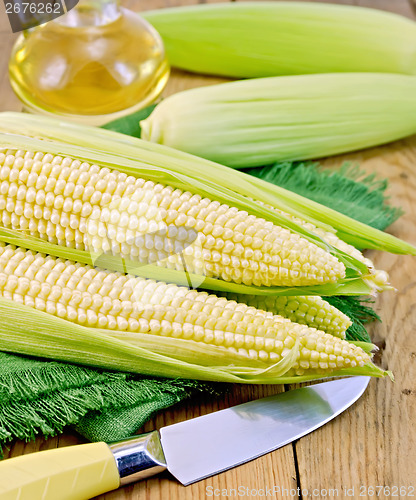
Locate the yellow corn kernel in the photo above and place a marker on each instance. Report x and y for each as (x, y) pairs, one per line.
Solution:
(306, 310)
(108, 300)
(86, 207)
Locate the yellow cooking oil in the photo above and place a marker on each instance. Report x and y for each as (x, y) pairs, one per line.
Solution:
(97, 62)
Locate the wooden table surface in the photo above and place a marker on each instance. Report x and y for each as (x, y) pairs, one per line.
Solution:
(371, 444)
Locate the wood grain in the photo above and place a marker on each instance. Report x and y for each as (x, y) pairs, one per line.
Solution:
(8, 101)
(371, 444)
(374, 442)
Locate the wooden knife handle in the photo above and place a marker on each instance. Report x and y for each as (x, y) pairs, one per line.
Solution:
(72, 473)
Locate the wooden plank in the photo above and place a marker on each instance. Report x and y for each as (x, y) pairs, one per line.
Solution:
(412, 4)
(254, 476)
(276, 468)
(8, 100)
(402, 7)
(182, 80)
(4, 23)
(143, 5)
(342, 2)
(374, 442)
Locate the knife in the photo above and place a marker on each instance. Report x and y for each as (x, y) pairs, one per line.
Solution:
(190, 450)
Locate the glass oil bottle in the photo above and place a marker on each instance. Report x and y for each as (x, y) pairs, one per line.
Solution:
(96, 63)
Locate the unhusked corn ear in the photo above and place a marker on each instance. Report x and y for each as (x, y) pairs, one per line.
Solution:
(113, 301)
(254, 39)
(84, 206)
(307, 310)
(265, 120)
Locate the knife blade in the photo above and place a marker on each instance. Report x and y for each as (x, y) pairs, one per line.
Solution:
(191, 450)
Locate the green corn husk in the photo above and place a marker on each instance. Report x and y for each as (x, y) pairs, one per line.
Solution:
(257, 122)
(257, 39)
(185, 171)
(25, 330)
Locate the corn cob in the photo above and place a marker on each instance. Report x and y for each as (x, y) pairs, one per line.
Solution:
(261, 121)
(312, 311)
(75, 204)
(378, 279)
(105, 300)
(231, 187)
(255, 39)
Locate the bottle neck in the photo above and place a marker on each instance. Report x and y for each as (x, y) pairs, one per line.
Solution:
(91, 13)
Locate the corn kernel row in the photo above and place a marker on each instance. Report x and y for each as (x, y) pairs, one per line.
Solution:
(83, 206)
(108, 300)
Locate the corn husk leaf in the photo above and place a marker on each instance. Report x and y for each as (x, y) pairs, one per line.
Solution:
(255, 39)
(123, 147)
(352, 286)
(24, 330)
(251, 123)
(351, 190)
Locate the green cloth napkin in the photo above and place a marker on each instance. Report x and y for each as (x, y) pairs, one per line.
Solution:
(43, 397)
